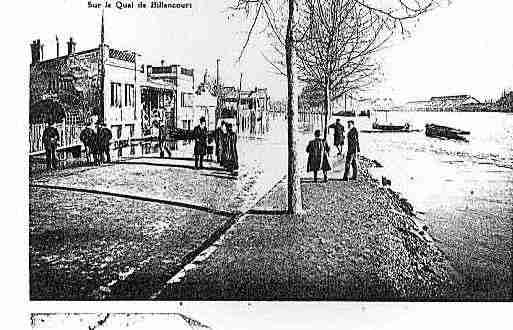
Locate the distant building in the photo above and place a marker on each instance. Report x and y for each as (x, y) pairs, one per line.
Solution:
(249, 107)
(183, 79)
(446, 104)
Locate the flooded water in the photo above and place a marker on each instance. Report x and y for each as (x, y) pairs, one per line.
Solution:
(464, 190)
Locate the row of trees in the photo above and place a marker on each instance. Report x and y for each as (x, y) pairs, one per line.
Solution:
(328, 46)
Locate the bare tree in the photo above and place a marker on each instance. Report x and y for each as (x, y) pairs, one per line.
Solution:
(284, 19)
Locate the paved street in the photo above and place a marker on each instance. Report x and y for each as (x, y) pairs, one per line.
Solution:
(120, 231)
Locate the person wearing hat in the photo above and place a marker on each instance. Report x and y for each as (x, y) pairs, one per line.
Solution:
(50, 142)
(353, 148)
(338, 135)
(104, 136)
(200, 143)
(89, 138)
(163, 140)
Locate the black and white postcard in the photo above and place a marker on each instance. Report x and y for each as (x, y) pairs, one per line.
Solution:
(298, 154)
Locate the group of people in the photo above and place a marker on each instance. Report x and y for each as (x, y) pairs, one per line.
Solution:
(97, 142)
(225, 140)
(318, 151)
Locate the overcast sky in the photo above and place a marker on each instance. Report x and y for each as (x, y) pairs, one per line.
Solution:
(465, 48)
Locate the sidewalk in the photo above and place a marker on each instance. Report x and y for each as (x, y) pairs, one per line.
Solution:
(353, 243)
(121, 230)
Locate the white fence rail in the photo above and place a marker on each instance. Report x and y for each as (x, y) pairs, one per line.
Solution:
(69, 135)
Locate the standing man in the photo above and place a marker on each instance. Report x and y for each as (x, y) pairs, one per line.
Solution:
(353, 148)
(89, 138)
(200, 143)
(338, 135)
(50, 142)
(163, 142)
(104, 137)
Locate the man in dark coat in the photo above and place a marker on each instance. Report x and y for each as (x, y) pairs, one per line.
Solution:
(50, 142)
(164, 140)
(104, 136)
(90, 140)
(231, 156)
(353, 148)
(318, 151)
(338, 135)
(200, 143)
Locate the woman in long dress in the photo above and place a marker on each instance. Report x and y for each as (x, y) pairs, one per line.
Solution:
(231, 157)
(318, 151)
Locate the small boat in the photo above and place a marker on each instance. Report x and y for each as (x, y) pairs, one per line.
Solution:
(391, 128)
(445, 132)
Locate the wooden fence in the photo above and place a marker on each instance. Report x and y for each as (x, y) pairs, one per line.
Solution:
(69, 135)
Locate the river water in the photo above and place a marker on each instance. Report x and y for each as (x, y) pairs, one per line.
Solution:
(462, 190)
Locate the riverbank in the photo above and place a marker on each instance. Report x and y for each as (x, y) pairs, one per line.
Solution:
(356, 241)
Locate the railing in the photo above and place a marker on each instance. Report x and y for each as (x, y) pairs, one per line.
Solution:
(69, 135)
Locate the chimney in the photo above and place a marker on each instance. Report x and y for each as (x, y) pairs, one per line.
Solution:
(162, 62)
(42, 52)
(71, 46)
(35, 48)
(57, 41)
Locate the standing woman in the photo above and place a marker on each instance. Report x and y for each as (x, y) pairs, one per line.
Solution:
(318, 150)
(219, 140)
(231, 163)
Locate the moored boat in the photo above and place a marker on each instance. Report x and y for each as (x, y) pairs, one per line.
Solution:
(391, 128)
(445, 132)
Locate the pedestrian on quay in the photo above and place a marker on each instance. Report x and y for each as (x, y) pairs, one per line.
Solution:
(353, 148)
(338, 135)
(219, 136)
(231, 156)
(318, 151)
(104, 136)
(163, 138)
(50, 142)
(200, 143)
(89, 138)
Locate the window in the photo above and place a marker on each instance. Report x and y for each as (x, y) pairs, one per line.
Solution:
(117, 129)
(115, 95)
(186, 99)
(131, 129)
(129, 95)
(184, 124)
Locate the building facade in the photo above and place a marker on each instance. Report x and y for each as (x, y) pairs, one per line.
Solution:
(249, 108)
(104, 83)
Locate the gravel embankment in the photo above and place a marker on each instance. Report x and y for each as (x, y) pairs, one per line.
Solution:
(355, 242)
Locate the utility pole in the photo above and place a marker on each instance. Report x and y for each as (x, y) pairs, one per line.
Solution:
(102, 70)
(238, 102)
(218, 110)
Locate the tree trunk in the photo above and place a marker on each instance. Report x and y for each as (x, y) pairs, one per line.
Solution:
(327, 97)
(295, 204)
